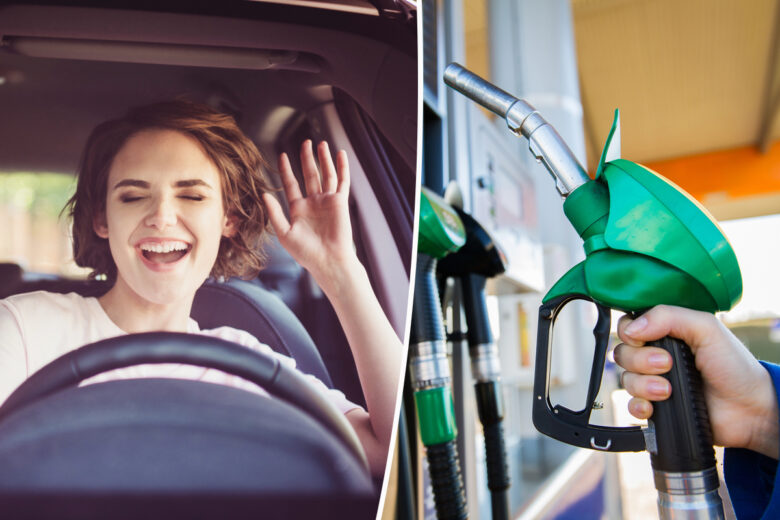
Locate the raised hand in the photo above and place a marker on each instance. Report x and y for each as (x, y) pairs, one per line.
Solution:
(318, 234)
(739, 392)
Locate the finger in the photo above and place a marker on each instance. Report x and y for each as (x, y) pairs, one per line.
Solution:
(342, 167)
(311, 175)
(643, 360)
(689, 325)
(640, 408)
(290, 183)
(624, 322)
(652, 388)
(276, 215)
(329, 180)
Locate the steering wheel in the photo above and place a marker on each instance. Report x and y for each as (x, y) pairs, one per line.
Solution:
(192, 349)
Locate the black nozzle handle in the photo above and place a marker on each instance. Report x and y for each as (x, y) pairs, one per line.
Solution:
(497, 470)
(495, 451)
(681, 423)
(491, 415)
(426, 321)
(448, 493)
(569, 426)
(475, 308)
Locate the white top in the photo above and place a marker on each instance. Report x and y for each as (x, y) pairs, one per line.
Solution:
(37, 328)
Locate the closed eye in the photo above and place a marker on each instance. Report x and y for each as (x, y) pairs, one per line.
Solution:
(130, 198)
(192, 197)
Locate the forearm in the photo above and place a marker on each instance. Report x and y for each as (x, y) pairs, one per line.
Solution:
(318, 235)
(751, 472)
(376, 349)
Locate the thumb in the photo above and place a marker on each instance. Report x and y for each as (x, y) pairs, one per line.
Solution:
(692, 327)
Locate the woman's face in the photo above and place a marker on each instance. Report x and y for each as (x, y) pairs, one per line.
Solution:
(164, 216)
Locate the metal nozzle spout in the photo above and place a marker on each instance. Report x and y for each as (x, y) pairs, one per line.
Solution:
(476, 88)
(514, 110)
(547, 146)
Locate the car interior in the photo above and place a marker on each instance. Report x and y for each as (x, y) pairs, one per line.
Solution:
(341, 71)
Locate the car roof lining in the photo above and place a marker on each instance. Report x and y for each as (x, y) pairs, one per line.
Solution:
(349, 6)
(57, 101)
(163, 53)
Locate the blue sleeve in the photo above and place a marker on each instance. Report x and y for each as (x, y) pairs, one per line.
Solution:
(752, 478)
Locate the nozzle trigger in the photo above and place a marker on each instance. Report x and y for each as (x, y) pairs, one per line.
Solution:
(573, 427)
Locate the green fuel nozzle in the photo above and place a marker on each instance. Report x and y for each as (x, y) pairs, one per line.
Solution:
(646, 243)
(440, 232)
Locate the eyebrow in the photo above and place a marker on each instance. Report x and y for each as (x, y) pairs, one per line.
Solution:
(131, 182)
(187, 183)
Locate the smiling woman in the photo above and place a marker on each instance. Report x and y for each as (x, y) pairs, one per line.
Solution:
(164, 205)
(173, 193)
(134, 152)
(164, 220)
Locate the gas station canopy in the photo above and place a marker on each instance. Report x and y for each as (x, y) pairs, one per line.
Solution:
(698, 87)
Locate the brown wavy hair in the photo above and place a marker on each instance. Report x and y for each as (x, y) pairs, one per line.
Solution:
(242, 172)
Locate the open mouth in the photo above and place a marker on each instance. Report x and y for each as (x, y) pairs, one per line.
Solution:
(164, 252)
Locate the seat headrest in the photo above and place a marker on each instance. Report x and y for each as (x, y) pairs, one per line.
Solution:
(247, 306)
(10, 278)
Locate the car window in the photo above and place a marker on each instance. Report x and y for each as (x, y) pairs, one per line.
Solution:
(392, 179)
(36, 232)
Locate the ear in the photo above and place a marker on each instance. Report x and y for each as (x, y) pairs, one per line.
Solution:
(99, 225)
(230, 227)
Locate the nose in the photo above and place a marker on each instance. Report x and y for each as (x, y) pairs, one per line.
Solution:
(162, 214)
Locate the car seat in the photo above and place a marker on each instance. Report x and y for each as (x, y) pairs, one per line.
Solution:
(10, 278)
(246, 306)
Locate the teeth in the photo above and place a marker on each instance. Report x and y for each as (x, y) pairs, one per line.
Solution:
(163, 247)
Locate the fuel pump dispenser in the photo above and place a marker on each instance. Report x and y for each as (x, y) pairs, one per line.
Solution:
(646, 243)
(479, 259)
(440, 232)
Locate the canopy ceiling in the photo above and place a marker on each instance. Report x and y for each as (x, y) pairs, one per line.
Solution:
(698, 86)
